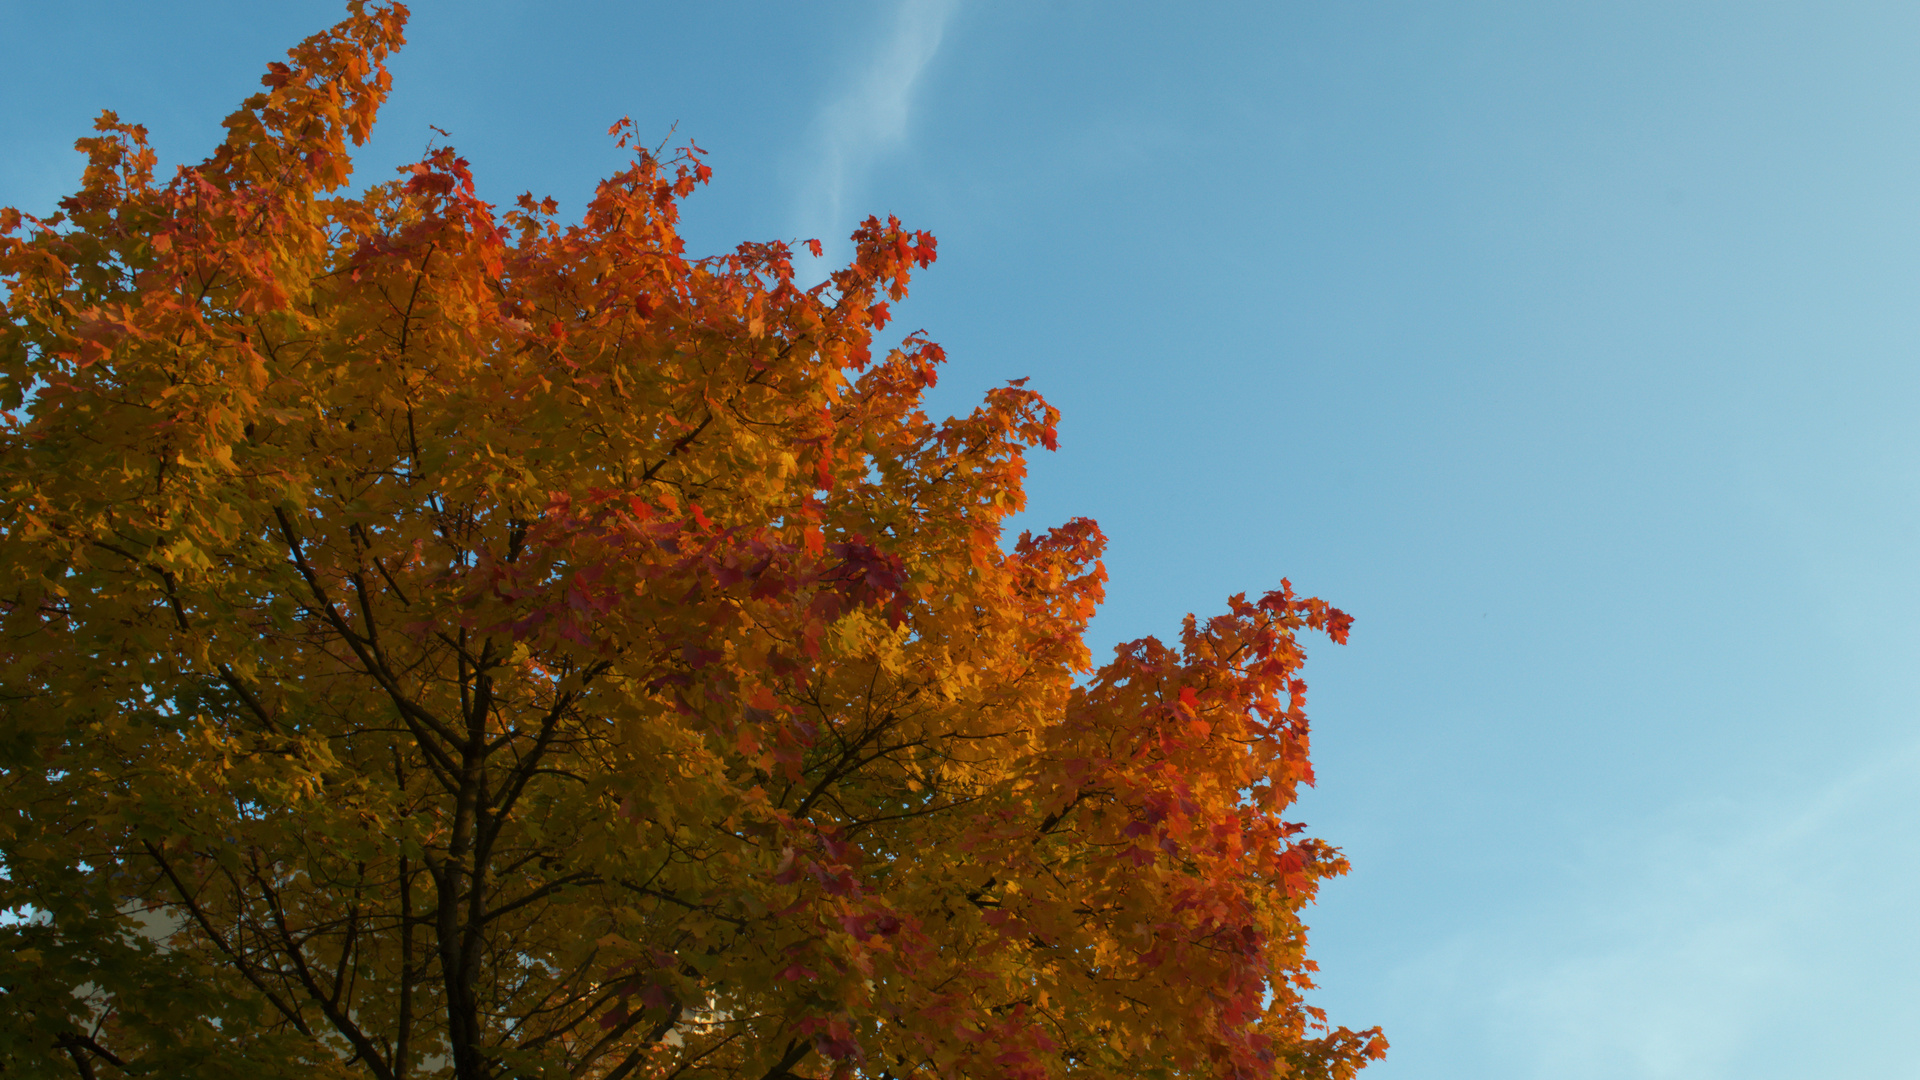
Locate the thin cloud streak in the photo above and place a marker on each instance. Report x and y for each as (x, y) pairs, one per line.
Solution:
(872, 116)
(1725, 946)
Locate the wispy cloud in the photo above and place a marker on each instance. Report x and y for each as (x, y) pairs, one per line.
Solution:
(1735, 941)
(869, 116)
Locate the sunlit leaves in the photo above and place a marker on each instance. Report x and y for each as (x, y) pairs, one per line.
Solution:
(438, 639)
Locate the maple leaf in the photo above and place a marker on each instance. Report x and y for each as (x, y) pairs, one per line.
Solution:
(435, 640)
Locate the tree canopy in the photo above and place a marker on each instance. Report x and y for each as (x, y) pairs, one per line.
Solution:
(443, 641)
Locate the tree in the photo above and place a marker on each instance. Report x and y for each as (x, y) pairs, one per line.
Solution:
(438, 641)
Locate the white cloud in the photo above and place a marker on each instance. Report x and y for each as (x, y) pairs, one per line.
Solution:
(870, 116)
(1753, 941)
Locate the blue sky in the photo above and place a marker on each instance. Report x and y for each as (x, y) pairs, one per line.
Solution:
(1569, 346)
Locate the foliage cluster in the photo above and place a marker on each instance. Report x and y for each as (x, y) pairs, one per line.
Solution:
(441, 641)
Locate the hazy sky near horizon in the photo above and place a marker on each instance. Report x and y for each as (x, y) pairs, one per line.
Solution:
(1570, 347)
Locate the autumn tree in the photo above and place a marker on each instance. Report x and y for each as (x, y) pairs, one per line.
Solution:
(439, 641)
